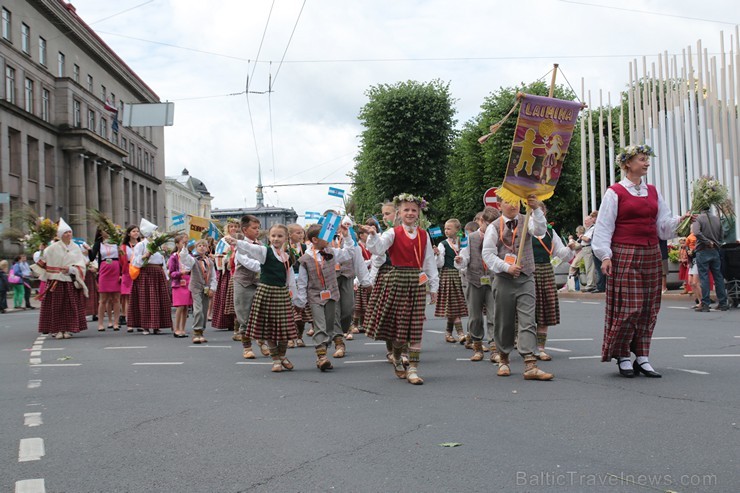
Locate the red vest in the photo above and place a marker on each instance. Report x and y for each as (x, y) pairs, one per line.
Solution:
(406, 252)
(636, 217)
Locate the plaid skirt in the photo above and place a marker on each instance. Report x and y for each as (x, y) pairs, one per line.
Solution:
(375, 294)
(62, 308)
(362, 300)
(302, 314)
(150, 306)
(91, 302)
(271, 316)
(450, 299)
(222, 319)
(547, 309)
(633, 296)
(398, 312)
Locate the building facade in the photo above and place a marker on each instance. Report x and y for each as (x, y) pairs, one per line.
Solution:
(266, 214)
(60, 151)
(186, 195)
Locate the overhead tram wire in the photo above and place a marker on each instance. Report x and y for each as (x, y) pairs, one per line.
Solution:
(571, 87)
(662, 14)
(289, 40)
(259, 50)
(269, 108)
(122, 12)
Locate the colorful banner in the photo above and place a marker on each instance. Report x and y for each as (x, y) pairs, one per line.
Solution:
(198, 225)
(543, 132)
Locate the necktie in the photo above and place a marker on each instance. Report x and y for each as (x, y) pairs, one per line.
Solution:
(512, 224)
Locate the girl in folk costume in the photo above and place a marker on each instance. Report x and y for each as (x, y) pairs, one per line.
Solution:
(399, 314)
(297, 248)
(202, 285)
(271, 316)
(317, 289)
(130, 239)
(632, 217)
(224, 316)
(182, 299)
(362, 294)
(62, 305)
(150, 307)
(91, 281)
(450, 300)
(548, 250)
(106, 254)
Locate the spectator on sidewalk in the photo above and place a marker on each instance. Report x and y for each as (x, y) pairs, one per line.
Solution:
(588, 255)
(4, 285)
(708, 231)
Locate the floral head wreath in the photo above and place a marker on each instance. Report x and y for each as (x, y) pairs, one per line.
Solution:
(631, 151)
(408, 197)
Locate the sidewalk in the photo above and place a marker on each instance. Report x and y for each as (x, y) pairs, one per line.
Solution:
(34, 303)
(671, 294)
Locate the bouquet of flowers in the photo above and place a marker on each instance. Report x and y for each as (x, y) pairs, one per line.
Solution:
(114, 231)
(157, 243)
(40, 230)
(707, 192)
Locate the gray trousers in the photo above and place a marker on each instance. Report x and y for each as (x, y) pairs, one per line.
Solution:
(514, 299)
(243, 304)
(323, 322)
(346, 305)
(477, 298)
(200, 310)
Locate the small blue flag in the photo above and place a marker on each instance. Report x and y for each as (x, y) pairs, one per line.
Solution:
(322, 219)
(178, 220)
(353, 235)
(312, 215)
(191, 244)
(221, 247)
(79, 241)
(377, 223)
(435, 231)
(336, 192)
(330, 226)
(213, 231)
(464, 241)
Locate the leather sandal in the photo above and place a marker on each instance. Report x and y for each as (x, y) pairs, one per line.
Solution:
(248, 354)
(399, 369)
(503, 370)
(449, 338)
(286, 363)
(277, 367)
(543, 356)
(413, 378)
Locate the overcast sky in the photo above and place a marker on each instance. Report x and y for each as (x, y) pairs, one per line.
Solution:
(307, 129)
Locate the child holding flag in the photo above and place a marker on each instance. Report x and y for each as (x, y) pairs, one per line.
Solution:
(450, 300)
(202, 285)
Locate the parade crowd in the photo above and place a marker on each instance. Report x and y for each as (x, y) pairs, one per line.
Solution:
(269, 286)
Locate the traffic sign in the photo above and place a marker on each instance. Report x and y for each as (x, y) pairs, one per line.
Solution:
(489, 198)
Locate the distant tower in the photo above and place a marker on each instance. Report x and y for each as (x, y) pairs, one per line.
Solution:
(260, 196)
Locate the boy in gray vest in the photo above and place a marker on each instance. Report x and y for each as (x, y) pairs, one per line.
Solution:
(513, 284)
(246, 278)
(202, 285)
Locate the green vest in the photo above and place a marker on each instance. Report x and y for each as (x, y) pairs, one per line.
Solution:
(540, 253)
(273, 271)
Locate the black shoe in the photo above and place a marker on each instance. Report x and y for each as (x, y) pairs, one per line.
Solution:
(724, 308)
(29, 307)
(121, 320)
(701, 307)
(648, 373)
(625, 373)
(94, 318)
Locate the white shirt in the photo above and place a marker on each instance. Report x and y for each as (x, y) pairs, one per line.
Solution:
(604, 229)
(300, 296)
(245, 260)
(537, 226)
(140, 250)
(379, 244)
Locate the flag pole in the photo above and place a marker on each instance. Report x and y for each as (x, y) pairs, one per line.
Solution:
(525, 228)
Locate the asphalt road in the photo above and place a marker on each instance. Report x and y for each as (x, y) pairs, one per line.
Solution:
(206, 422)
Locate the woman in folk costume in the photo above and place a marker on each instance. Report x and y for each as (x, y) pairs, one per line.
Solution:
(150, 307)
(126, 254)
(271, 316)
(297, 248)
(546, 249)
(224, 316)
(400, 311)
(182, 298)
(105, 253)
(91, 281)
(62, 304)
(632, 217)
(451, 300)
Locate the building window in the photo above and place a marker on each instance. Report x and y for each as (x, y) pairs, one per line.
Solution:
(132, 154)
(6, 24)
(10, 84)
(146, 162)
(89, 82)
(102, 92)
(45, 103)
(32, 155)
(76, 73)
(60, 60)
(124, 146)
(14, 151)
(91, 120)
(77, 114)
(28, 92)
(104, 128)
(112, 99)
(139, 161)
(42, 51)
(25, 38)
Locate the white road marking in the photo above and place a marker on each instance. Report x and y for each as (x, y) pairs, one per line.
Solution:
(35, 353)
(669, 338)
(558, 350)
(434, 331)
(375, 344)
(459, 359)
(584, 357)
(571, 340)
(207, 345)
(30, 486)
(590, 302)
(33, 404)
(568, 301)
(32, 419)
(58, 364)
(254, 362)
(695, 372)
(711, 355)
(34, 384)
(45, 349)
(125, 347)
(35, 361)
(31, 449)
(737, 337)
(162, 363)
(679, 307)
(366, 361)
(36, 347)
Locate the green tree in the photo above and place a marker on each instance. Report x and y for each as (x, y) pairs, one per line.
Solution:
(406, 145)
(476, 167)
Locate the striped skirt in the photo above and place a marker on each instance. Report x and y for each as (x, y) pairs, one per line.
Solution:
(633, 295)
(222, 320)
(271, 316)
(91, 302)
(547, 308)
(362, 301)
(62, 308)
(150, 306)
(109, 277)
(229, 308)
(398, 311)
(304, 315)
(450, 299)
(375, 294)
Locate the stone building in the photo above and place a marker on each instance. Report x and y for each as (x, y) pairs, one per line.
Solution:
(60, 150)
(186, 195)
